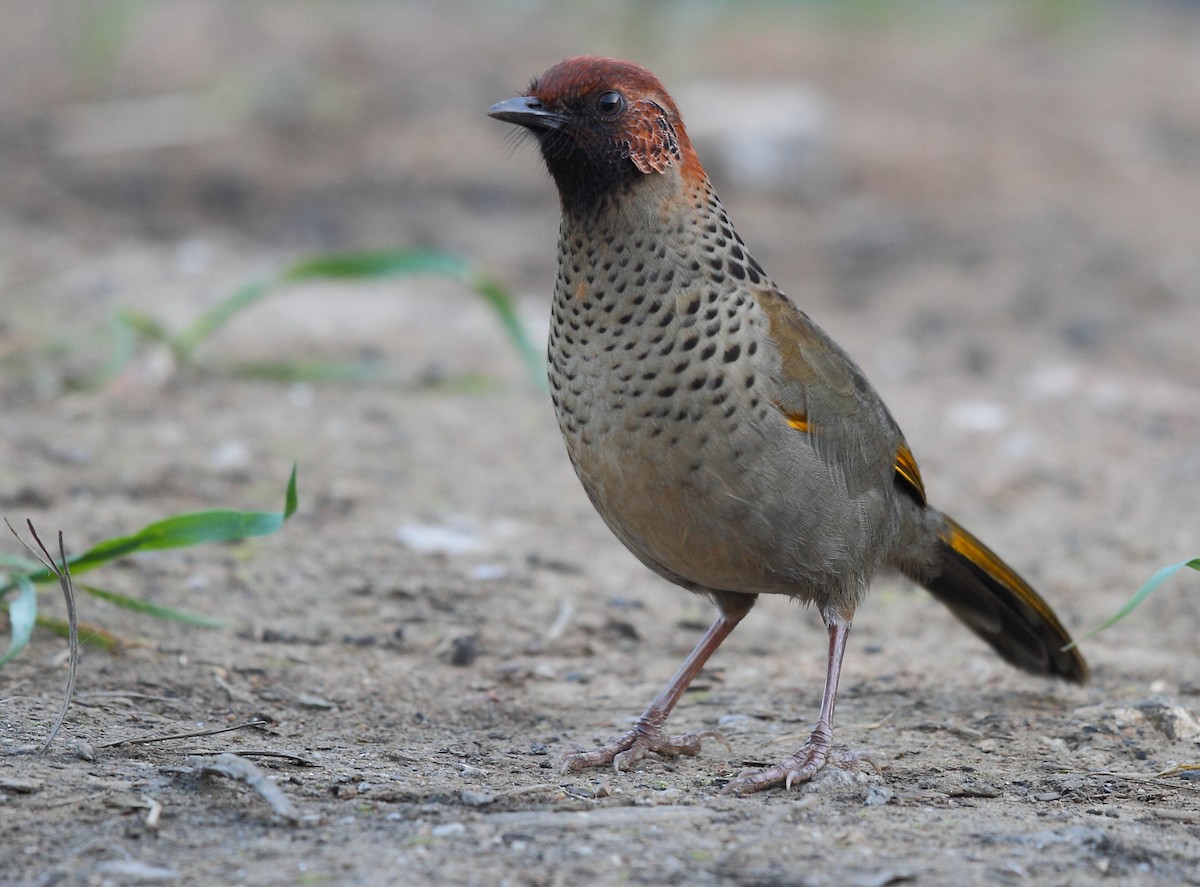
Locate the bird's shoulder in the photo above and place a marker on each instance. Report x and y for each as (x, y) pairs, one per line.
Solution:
(823, 392)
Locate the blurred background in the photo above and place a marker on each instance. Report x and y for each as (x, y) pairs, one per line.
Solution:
(1038, 159)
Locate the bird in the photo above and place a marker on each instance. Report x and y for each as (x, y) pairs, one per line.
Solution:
(729, 443)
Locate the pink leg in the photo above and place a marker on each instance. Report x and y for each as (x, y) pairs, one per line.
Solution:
(805, 764)
(647, 736)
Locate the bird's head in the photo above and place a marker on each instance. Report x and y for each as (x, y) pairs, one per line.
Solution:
(603, 126)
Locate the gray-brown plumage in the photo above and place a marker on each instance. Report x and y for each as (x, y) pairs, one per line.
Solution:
(728, 442)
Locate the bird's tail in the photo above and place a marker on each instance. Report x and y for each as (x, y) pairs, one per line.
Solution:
(999, 606)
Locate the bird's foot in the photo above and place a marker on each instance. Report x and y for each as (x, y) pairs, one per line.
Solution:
(800, 767)
(642, 740)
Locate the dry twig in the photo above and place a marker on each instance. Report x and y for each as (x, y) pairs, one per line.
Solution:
(144, 740)
(63, 573)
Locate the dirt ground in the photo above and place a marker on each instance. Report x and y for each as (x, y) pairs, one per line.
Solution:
(997, 216)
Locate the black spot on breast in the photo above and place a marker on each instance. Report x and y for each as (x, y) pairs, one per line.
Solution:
(697, 383)
(689, 343)
(732, 353)
(752, 348)
(708, 350)
(737, 270)
(666, 391)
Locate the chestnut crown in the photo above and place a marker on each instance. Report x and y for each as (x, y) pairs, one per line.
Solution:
(602, 124)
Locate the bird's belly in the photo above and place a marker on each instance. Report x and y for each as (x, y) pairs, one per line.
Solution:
(739, 506)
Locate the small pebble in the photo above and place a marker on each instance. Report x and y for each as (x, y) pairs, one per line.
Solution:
(878, 795)
(448, 830)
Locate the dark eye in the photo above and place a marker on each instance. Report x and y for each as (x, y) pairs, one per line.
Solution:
(610, 103)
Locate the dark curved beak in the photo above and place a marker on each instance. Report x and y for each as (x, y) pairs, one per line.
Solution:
(525, 110)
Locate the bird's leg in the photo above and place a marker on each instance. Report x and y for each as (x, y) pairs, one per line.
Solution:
(804, 764)
(647, 735)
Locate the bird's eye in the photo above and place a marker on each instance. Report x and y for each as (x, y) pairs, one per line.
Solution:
(610, 103)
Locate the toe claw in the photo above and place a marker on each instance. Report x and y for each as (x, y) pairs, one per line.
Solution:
(636, 744)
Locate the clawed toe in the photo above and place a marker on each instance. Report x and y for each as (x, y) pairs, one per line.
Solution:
(642, 740)
(800, 767)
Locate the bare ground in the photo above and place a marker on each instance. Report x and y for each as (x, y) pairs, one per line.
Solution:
(1001, 226)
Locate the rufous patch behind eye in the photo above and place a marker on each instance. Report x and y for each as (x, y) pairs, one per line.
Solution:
(653, 145)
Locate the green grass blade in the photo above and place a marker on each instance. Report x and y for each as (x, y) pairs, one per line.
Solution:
(22, 615)
(1140, 595)
(216, 317)
(501, 302)
(134, 324)
(320, 371)
(381, 263)
(398, 262)
(89, 635)
(290, 500)
(15, 562)
(362, 266)
(157, 610)
(194, 528)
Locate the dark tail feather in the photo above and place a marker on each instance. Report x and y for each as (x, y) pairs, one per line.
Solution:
(999, 606)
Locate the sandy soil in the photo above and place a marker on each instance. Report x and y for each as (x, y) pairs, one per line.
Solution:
(999, 221)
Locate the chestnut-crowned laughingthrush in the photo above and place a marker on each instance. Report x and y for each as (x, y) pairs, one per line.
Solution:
(725, 439)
